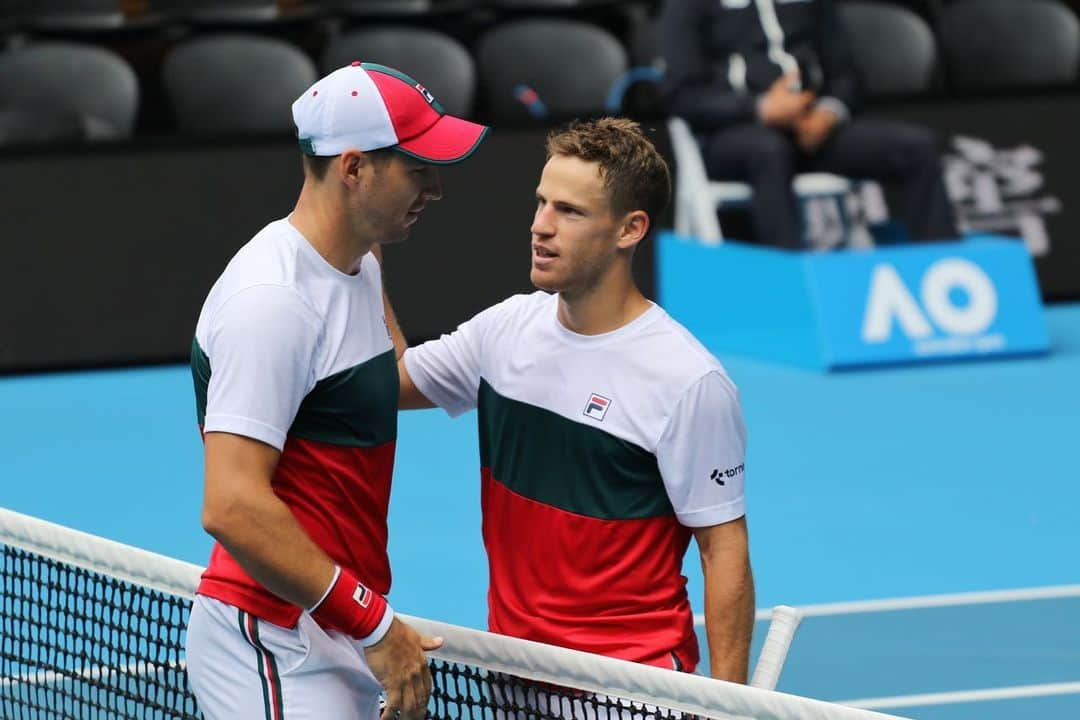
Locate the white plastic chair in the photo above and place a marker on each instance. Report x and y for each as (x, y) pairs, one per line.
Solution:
(824, 196)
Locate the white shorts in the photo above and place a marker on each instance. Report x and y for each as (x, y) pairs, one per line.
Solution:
(244, 668)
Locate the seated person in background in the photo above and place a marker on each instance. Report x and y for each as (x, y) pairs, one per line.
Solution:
(769, 88)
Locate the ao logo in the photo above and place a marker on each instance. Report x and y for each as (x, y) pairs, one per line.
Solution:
(890, 298)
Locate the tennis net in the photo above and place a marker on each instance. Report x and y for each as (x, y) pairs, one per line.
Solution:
(93, 630)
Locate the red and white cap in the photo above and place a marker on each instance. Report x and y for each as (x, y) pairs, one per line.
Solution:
(364, 106)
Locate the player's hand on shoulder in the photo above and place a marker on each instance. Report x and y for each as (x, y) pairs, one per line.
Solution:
(399, 662)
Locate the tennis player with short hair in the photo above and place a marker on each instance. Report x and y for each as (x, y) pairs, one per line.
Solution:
(296, 391)
(608, 435)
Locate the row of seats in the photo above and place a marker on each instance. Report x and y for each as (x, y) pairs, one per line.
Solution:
(221, 83)
(104, 14)
(957, 47)
(243, 83)
(976, 46)
(109, 12)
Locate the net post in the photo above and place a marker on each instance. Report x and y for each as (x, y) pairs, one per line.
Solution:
(785, 621)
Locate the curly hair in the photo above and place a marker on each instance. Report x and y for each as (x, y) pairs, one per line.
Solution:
(635, 176)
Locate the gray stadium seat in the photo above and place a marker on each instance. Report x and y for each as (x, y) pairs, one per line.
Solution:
(438, 61)
(401, 8)
(58, 80)
(218, 11)
(570, 65)
(233, 83)
(893, 48)
(1007, 44)
(549, 4)
(384, 8)
(64, 15)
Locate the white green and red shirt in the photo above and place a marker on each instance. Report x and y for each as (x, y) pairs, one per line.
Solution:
(294, 353)
(598, 455)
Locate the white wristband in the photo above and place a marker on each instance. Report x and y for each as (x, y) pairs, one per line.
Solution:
(381, 629)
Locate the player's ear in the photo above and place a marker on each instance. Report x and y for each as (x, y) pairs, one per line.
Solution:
(352, 165)
(633, 229)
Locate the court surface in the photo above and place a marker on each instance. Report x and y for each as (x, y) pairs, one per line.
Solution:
(862, 486)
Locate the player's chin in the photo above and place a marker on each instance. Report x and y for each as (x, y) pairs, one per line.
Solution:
(545, 280)
(396, 236)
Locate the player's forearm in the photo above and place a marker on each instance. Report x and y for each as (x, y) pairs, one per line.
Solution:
(258, 530)
(264, 537)
(729, 605)
(729, 614)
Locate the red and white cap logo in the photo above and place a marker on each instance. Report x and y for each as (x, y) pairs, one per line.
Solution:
(364, 106)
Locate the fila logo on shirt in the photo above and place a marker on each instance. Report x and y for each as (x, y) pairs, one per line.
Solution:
(597, 407)
(362, 595)
(424, 91)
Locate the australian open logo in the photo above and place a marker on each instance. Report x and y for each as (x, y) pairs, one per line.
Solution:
(954, 312)
(424, 91)
(597, 407)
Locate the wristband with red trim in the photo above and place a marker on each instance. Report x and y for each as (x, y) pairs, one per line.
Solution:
(353, 608)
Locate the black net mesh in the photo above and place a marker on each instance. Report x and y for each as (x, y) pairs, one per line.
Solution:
(467, 693)
(80, 644)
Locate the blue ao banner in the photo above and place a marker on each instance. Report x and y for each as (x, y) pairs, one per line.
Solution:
(977, 297)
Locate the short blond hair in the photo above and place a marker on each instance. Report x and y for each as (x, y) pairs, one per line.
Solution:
(635, 176)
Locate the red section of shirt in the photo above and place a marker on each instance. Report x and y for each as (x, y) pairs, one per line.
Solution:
(611, 587)
(340, 496)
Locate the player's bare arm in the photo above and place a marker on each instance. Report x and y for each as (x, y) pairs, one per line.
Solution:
(729, 598)
(241, 511)
(409, 396)
(392, 326)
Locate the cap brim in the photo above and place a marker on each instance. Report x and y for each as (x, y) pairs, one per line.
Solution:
(449, 140)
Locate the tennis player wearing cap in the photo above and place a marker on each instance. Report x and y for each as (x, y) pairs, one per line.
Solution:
(609, 436)
(296, 391)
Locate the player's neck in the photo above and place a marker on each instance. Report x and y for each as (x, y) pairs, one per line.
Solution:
(325, 226)
(605, 307)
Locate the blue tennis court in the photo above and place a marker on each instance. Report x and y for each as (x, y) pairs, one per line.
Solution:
(887, 484)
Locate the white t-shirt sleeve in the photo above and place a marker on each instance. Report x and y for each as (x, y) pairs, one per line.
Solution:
(262, 344)
(447, 371)
(702, 453)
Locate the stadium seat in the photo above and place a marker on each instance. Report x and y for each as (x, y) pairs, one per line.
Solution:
(547, 68)
(218, 11)
(545, 4)
(438, 61)
(994, 45)
(232, 83)
(893, 49)
(554, 5)
(928, 10)
(397, 8)
(70, 15)
(58, 82)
